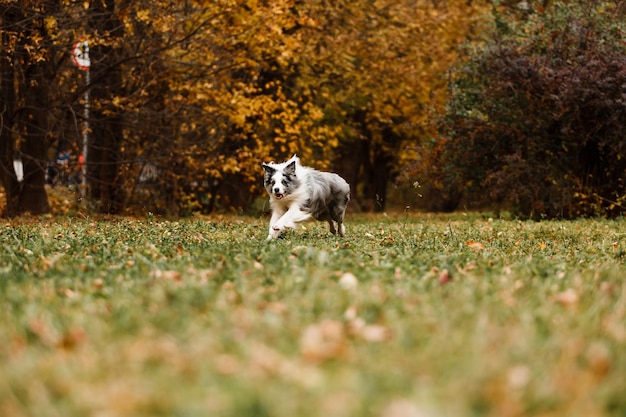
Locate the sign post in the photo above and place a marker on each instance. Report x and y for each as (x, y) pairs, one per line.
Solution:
(80, 56)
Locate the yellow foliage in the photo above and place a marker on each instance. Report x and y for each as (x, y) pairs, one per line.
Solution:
(212, 88)
(143, 15)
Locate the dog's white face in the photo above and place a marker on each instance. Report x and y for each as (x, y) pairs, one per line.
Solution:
(280, 180)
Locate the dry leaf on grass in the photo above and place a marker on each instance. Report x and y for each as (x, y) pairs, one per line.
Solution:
(44, 332)
(72, 338)
(267, 361)
(369, 332)
(166, 274)
(375, 333)
(323, 341)
(518, 376)
(348, 281)
(598, 358)
(567, 298)
(444, 277)
(477, 246)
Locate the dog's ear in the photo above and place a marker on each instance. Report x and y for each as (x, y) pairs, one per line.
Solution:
(268, 169)
(290, 169)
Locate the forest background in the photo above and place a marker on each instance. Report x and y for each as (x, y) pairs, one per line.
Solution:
(514, 105)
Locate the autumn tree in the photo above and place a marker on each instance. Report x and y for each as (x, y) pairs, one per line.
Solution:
(38, 100)
(202, 91)
(224, 86)
(106, 37)
(221, 101)
(376, 69)
(25, 71)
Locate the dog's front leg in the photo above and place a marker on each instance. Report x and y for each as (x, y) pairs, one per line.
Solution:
(290, 218)
(276, 215)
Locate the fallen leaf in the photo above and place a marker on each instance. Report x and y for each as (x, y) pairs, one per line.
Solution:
(69, 293)
(518, 376)
(276, 307)
(598, 357)
(375, 333)
(397, 273)
(444, 277)
(348, 281)
(477, 246)
(567, 298)
(299, 250)
(166, 274)
(351, 313)
(73, 338)
(49, 262)
(44, 332)
(323, 341)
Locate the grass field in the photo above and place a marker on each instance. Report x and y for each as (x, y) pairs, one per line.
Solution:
(407, 316)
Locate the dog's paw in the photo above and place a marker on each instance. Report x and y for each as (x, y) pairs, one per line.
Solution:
(274, 232)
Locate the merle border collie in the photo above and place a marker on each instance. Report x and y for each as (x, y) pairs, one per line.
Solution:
(298, 193)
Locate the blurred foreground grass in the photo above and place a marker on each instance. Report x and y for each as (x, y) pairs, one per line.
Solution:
(407, 316)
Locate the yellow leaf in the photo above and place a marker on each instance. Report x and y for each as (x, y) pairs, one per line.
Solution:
(143, 15)
(51, 23)
(477, 246)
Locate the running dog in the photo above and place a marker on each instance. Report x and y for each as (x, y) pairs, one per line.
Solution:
(298, 193)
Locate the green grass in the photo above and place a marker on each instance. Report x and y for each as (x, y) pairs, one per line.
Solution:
(449, 316)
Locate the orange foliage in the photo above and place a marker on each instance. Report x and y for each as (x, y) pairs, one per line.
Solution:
(209, 89)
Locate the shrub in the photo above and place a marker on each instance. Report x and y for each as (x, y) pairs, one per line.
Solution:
(536, 122)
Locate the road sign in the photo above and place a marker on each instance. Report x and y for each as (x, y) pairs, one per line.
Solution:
(80, 55)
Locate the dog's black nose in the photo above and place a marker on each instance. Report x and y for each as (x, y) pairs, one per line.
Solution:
(276, 189)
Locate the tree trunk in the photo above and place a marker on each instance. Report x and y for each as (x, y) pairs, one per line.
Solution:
(105, 121)
(379, 168)
(368, 164)
(7, 109)
(379, 177)
(33, 198)
(31, 85)
(349, 164)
